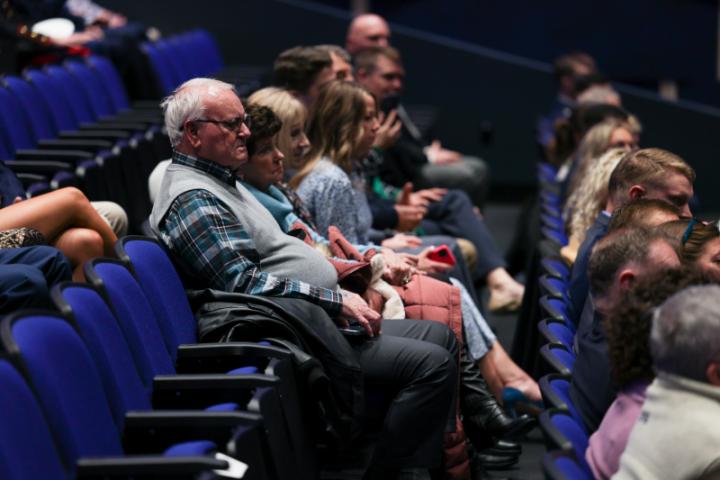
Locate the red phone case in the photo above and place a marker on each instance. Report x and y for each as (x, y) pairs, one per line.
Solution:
(442, 254)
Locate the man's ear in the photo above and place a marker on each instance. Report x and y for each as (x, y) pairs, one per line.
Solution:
(191, 132)
(713, 373)
(636, 191)
(626, 279)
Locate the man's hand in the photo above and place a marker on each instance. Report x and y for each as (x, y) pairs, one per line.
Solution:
(441, 156)
(431, 266)
(423, 198)
(354, 308)
(397, 270)
(389, 130)
(409, 217)
(401, 240)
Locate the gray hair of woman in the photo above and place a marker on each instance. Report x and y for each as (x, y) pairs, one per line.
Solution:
(186, 103)
(685, 336)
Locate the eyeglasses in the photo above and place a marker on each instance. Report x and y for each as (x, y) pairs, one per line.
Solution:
(233, 124)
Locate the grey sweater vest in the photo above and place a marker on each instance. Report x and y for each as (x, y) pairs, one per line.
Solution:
(280, 254)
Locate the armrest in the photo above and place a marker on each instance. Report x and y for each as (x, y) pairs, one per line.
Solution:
(155, 431)
(221, 357)
(72, 156)
(42, 167)
(117, 125)
(146, 465)
(101, 132)
(77, 143)
(201, 391)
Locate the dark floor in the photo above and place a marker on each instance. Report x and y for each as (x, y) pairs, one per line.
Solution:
(501, 219)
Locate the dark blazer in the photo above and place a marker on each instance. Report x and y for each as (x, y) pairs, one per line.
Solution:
(579, 283)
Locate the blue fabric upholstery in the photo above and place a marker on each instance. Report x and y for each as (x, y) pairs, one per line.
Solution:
(68, 386)
(26, 446)
(164, 290)
(105, 340)
(187, 449)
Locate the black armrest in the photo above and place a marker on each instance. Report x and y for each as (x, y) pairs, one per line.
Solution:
(100, 132)
(221, 357)
(42, 167)
(155, 431)
(148, 466)
(201, 391)
(77, 143)
(72, 156)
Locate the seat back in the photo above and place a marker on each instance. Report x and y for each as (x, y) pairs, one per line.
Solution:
(36, 109)
(163, 288)
(99, 100)
(74, 92)
(555, 392)
(559, 465)
(68, 386)
(135, 315)
(557, 332)
(17, 125)
(27, 449)
(62, 112)
(559, 358)
(82, 304)
(564, 432)
(111, 80)
(162, 69)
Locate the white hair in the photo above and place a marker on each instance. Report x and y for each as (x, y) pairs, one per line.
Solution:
(685, 334)
(187, 103)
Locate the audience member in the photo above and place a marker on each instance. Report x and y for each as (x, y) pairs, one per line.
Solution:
(678, 430)
(236, 246)
(303, 71)
(367, 30)
(617, 262)
(341, 62)
(627, 327)
(411, 158)
(567, 68)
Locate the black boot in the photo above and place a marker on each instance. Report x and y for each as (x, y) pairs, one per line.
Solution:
(483, 418)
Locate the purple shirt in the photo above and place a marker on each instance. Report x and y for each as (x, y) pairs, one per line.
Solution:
(608, 442)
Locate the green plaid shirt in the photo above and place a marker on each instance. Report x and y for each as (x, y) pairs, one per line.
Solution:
(214, 248)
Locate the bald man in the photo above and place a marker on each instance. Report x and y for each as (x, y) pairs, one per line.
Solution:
(367, 30)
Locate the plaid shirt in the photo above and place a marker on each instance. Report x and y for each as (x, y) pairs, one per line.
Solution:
(215, 248)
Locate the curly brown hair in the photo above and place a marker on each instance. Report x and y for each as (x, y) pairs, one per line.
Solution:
(627, 326)
(264, 124)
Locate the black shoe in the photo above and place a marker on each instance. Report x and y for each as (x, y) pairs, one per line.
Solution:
(497, 461)
(504, 426)
(504, 446)
(478, 471)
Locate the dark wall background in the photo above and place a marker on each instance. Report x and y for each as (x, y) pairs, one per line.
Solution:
(472, 86)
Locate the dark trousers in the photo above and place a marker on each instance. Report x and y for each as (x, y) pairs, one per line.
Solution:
(26, 275)
(414, 361)
(453, 215)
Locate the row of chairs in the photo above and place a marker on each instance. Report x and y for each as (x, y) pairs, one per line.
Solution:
(178, 58)
(73, 125)
(101, 389)
(566, 437)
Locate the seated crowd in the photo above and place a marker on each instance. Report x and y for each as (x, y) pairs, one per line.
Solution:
(321, 195)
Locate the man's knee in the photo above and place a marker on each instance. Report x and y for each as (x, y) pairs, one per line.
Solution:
(441, 335)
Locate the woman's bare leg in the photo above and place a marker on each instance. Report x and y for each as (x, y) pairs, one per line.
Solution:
(491, 376)
(505, 292)
(55, 212)
(79, 245)
(511, 374)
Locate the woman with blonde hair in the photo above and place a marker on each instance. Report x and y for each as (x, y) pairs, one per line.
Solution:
(588, 199)
(599, 139)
